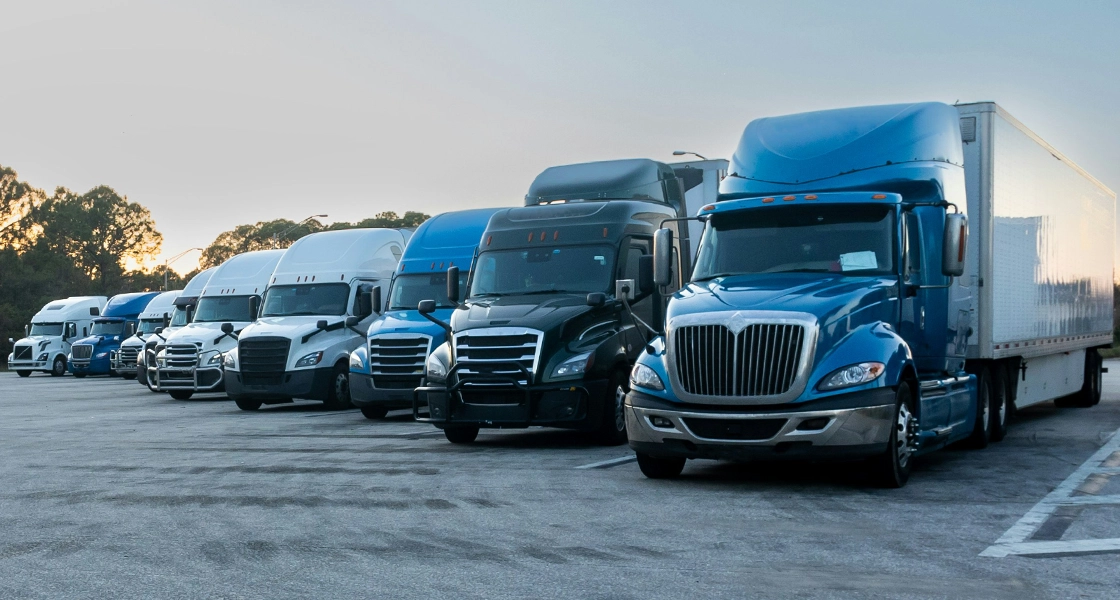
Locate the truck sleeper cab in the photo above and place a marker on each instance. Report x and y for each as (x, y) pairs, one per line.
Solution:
(155, 316)
(190, 360)
(545, 336)
(181, 314)
(118, 321)
(46, 342)
(837, 318)
(390, 365)
(323, 295)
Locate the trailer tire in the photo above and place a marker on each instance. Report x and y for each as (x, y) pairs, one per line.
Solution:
(374, 412)
(1091, 390)
(612, 426)
(58, 368)
(655, 467)
(181, 394)
(891, 469)
(460, 434)
(338, 395)
(982, 429)
(23, 373)
(1001, 403)
(248, 404)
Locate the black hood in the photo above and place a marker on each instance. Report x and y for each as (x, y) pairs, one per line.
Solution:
(540, 312)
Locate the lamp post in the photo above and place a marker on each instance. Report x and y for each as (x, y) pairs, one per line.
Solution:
(683, 152)
(276, 236)
(167, 263)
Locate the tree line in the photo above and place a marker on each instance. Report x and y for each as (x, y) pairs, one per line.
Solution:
(69, 244)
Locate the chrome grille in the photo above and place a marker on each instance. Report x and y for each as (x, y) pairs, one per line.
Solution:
(482, 351)
(181, 356)
(762, 359)
(127, 354)
(81, 351)
(22, 353)
(396, 361)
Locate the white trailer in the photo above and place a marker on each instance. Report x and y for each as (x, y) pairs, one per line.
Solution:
(47, 340)
(1040, 258)
(300, 346)
(700, 180)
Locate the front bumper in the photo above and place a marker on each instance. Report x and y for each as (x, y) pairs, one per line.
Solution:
(96, 366)
(847, 426)
(40, 365)
(311, 384)
(195, 379)
(364, 392)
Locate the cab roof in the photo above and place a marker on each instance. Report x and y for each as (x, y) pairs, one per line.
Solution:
(243, 275)
(125, 306)
(626, 179)
(573, 223)
(446, 240)
(161, 305)
(341, 256)
(72, 308)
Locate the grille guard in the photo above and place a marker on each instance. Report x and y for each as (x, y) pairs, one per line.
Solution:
(452, 392)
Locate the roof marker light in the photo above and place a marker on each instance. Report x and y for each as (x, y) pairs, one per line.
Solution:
(709, 207)
(767, 200)
(879, 197)
(489, 239)
(555, 235)
(542, 236)
(433, 266)
(788, 198)
(530, 236)
(604, 232)
(811, 197)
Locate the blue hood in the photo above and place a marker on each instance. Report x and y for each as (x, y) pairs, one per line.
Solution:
(410, 321)
(99, 341)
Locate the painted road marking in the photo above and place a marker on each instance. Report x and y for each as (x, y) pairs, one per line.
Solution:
(1086, 481)
(606, 464)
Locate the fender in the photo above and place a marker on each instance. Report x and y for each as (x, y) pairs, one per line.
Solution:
(876, 342)
(359, 360)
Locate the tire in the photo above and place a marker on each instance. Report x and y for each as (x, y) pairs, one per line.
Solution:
(142, 376)
(375, 412)
(612, 428)
(982, 429)
(338, 395)
(655, 467)
(891, 469)
(181, 394)
(79, 375)
(460, 434)
(244, 403)
(128, 376)
(58, 368)
(1000, 405)
(23, 373)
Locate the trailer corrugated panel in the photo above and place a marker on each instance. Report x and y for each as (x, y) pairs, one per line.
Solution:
(1042, 239)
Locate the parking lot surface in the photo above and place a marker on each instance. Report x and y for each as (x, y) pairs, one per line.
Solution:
(109, 490)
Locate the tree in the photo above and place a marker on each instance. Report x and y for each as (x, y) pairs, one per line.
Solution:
(17, 199)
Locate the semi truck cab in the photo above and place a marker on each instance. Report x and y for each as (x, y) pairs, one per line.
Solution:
(46, 342)
(390, 365)
(90, 355)
(156, 315)
(323, 295)
(182, 313)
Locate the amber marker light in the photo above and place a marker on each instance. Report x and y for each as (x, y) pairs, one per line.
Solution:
(789, 198)
(811, 197)
(709, 207)
(767, 200)
(879, 197)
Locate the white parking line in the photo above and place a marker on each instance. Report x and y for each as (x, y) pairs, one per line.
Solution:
(603, 464)
(1015, 540)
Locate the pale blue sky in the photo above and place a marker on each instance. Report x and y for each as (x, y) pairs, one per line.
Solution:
(214, 114)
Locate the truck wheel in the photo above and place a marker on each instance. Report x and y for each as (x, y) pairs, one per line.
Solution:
(23, 373)
(1001, 403)
(1090, 394)
(460, 435)
(141, 375)
(128, 376)
(79, 375)
(612, 429)
(338, 396)
(244, 403)
(660, 468)
(982, 430)
(375, 412)
(891, 469)
(181, 394)
(58, 368)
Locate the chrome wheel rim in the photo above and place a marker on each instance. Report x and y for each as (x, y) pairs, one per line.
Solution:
(342, 388)
(902, 440)
(59, 367)
(619, 414)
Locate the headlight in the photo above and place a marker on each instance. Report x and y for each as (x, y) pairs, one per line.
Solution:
(140, 357)
(11, 357)
(229, 360)
(42, 357)
(215, 360)
(435, 368)
(161, 358)
(356, 362)
(576, 365)
(852, 375)
(643, 376)
(310, 360)
(101, 355)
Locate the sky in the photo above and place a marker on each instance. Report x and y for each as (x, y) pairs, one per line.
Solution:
(215, 114)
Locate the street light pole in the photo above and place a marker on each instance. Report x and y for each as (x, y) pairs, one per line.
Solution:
(683, 152)
(276, 236)
(167, 264)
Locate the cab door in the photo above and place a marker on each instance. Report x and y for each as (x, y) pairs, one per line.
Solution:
(936, 410)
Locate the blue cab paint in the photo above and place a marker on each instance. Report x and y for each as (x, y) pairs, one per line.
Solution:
(118, 321)
(400, 337)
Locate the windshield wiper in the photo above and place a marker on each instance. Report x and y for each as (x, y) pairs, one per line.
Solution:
(711, 277)
(535, 292)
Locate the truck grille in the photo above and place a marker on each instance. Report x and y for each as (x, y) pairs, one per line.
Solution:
(181, 356)
(81, 351)
(734, 429)
(397, 361)
(263, 360)
(127, 355)
(483, 351)
(761, 360)
(22, 353)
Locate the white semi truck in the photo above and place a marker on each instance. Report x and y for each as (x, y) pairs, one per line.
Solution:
(47, 340)
(190, 360)
(323, 295)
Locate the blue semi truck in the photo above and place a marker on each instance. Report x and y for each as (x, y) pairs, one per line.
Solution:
(118, 321)
(400, 339)
(839, 306)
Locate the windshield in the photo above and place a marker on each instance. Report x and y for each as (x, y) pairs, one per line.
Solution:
(308, 299)
(149, 326)
(107, 328)
(581, 269)
(46, 329)
(803, 239)
(409, 290)
(178, 317)
(221, 309)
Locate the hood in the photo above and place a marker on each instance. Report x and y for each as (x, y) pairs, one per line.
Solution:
(409, 321)
(827, 297)
(533, 311)
(99, 340)
(202, 333)
(136, 341)
(294, 328)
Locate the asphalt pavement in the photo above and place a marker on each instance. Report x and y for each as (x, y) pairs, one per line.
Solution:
(110, 491)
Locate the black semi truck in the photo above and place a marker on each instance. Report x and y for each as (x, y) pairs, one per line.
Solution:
(558, 304)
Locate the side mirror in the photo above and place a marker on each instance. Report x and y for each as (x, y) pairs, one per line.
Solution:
(646, 284)
(321, 324)
(159, 330)
(375, 300)
(663, 257)
(131, 329)
(427, 307)
(453, 284)
(227, 327)
(26, 331)
(352, 321)
(596, 299)
(362, 301)
(166, 320)
(953, 244)
(11, 341)
(254, 306)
